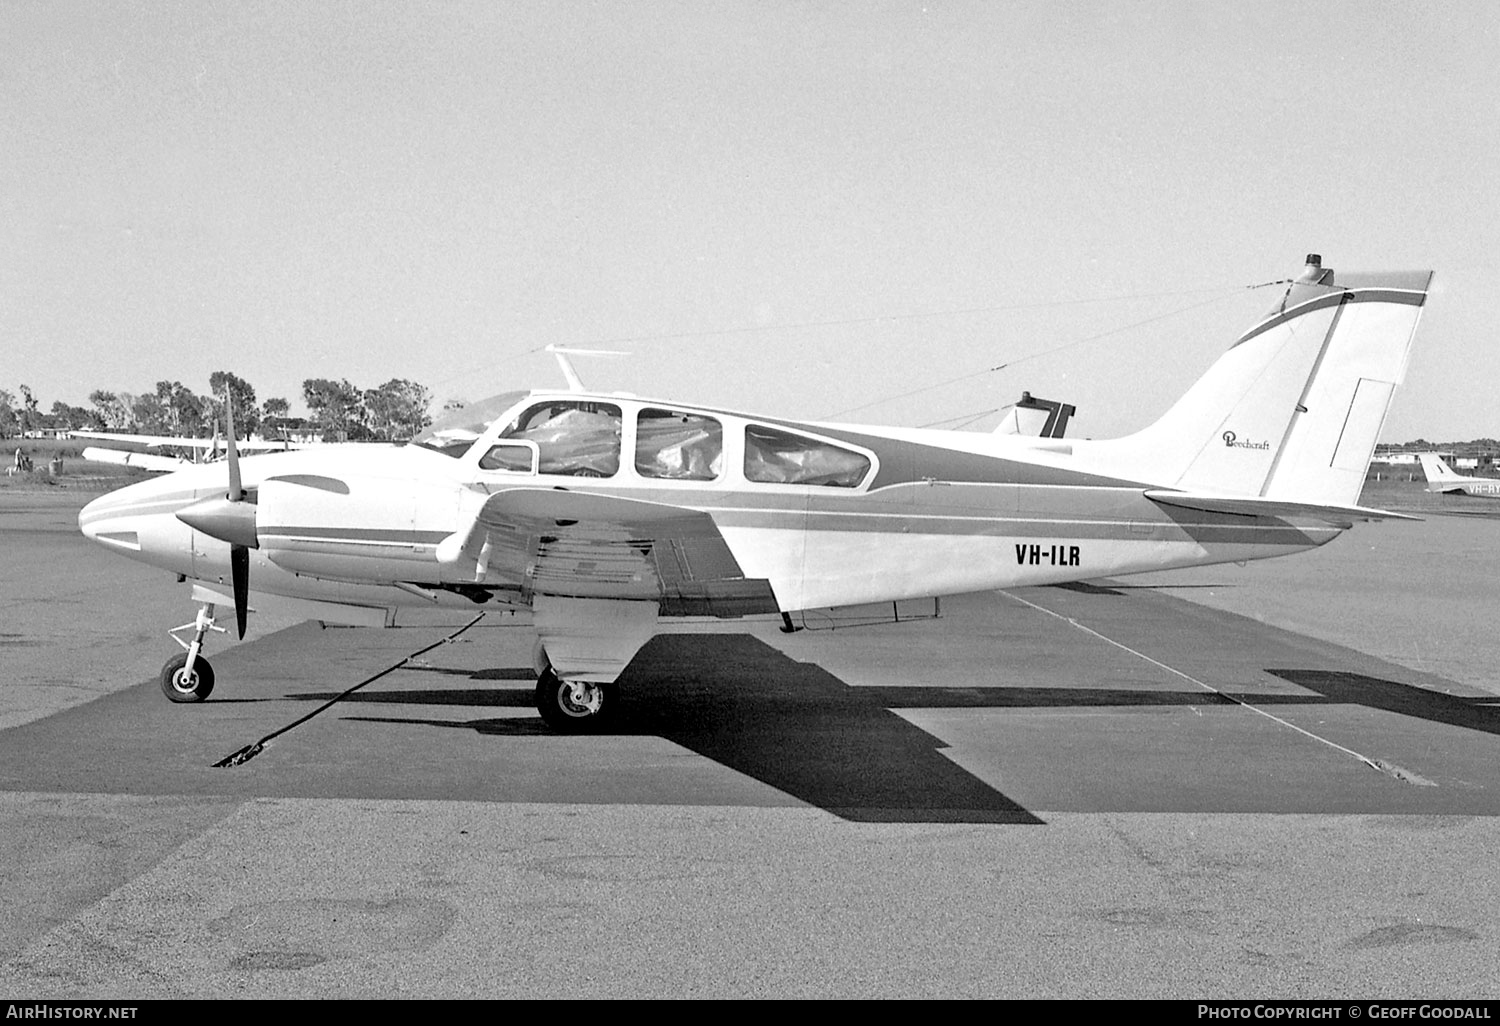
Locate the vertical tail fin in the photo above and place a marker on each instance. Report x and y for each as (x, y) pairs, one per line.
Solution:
(1293, 410)
(1439, 474)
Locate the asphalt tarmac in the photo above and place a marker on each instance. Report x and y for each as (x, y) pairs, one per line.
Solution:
(1118, 789)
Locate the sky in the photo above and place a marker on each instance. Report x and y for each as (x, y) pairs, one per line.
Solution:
(815, 209)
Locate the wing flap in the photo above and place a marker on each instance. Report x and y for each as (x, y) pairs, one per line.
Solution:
(585, 545)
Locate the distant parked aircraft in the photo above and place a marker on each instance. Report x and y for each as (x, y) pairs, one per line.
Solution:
(1441, 478)
(205, 450)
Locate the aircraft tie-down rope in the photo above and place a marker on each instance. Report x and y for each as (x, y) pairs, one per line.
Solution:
(1044, 352)
(1375, 764)
(250, 751)
(674, 336)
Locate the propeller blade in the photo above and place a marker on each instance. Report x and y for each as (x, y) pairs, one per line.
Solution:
(239, 555)
(236, 492)
(239, 571)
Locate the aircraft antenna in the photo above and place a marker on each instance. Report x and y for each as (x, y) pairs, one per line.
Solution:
(575, 383)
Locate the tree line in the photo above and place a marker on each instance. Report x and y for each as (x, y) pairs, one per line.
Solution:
(340, 411)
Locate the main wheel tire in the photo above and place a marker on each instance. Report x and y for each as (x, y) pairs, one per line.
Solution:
(563, 712)
(180, 686)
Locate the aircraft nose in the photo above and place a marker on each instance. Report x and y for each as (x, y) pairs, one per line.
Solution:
(108, 521)
(115, 517)
(91, 518)
(137, 522)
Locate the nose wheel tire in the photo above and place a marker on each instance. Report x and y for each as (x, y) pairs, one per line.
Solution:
(181, 686)
(572, 707)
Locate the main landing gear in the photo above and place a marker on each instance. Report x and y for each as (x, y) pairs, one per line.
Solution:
(582, 647)
(188, 677)
(573, 706)
(570, 706)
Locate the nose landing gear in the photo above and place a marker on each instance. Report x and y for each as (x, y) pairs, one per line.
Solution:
(188, 677)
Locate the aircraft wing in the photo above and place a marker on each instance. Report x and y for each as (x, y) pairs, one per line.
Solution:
(180, 442)
(144, 460)
(1254, 506)
(152, 440)
(582, 545)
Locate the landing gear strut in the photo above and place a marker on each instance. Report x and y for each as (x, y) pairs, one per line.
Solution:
(188, 677)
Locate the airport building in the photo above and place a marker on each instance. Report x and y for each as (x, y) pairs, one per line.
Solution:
(1480, 457)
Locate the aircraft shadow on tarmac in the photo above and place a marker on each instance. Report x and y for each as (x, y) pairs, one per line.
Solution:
(1482, 714)
(742, 703)
(802, 730)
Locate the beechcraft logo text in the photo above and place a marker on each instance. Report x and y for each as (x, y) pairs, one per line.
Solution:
(1232, 440)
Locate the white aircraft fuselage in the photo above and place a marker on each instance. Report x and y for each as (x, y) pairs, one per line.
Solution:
(937, 513)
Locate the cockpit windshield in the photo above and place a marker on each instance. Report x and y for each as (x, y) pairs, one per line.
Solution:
(454, 433)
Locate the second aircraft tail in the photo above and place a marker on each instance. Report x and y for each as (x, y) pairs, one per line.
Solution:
(1440, 476)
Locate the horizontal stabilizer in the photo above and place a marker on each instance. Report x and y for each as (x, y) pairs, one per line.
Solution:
(1038, 418)
(1253, 506)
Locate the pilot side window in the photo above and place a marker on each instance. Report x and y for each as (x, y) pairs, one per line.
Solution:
(572, 436)
(678, 446)
(511, 457)
(780, 457)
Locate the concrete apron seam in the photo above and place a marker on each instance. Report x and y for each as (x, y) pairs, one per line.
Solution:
(1380, 765)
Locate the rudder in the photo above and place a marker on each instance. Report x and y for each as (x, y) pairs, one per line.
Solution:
(1335, 425)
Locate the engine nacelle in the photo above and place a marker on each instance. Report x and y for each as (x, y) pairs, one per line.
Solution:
(373, 530)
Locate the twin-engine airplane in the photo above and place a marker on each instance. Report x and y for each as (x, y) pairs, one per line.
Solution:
(1443, 478)
(601, 515)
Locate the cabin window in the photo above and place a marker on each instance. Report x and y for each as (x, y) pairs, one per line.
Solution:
(678, 446)
(573, 437)
(455, 432)
(780, 457)
(512, 457)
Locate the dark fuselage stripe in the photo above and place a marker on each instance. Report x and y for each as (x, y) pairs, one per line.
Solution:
(1399, 297)
(1263, 532)
(365, 535)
